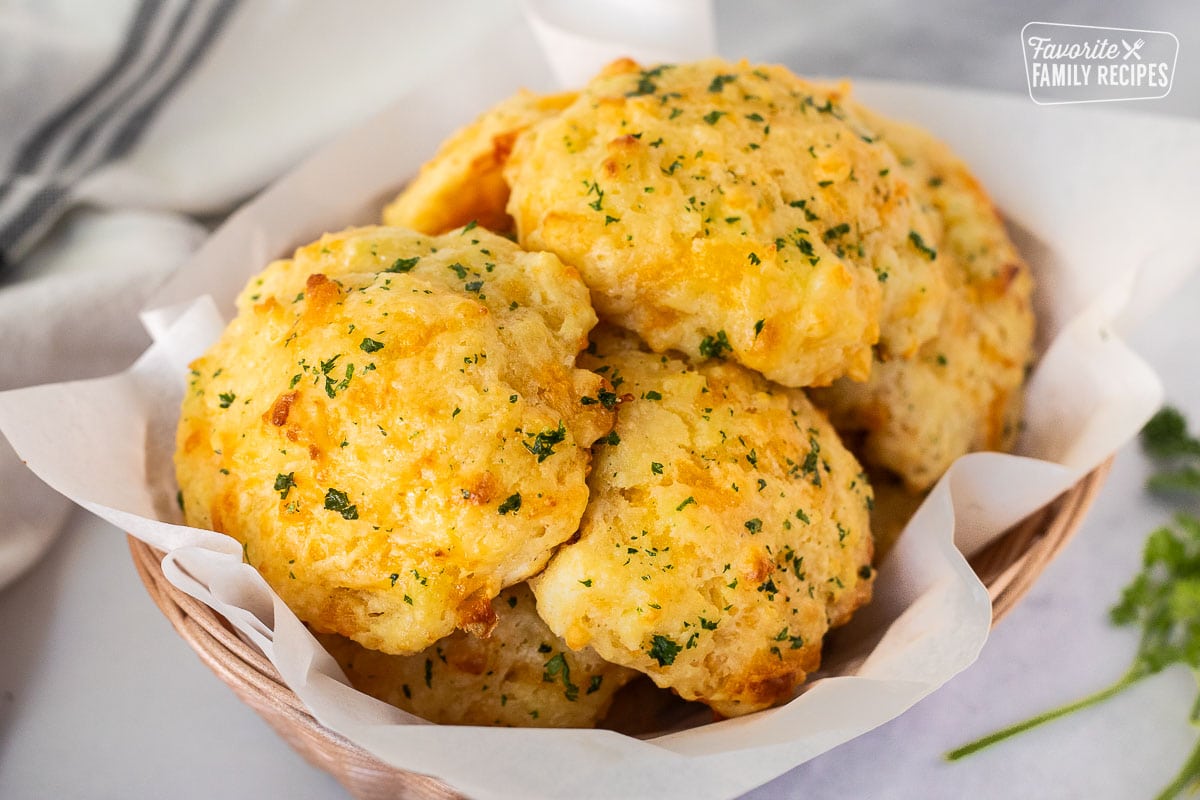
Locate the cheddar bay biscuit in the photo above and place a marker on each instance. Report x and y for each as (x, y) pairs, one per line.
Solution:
(521, 675)
(727, 531)
(393, 428)
(724, 209)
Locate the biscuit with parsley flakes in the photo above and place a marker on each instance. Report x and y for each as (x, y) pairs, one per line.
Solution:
(727, 210)
(962, 391)
(395, 429)
(464, 181)
(727, 532)
(520, 676)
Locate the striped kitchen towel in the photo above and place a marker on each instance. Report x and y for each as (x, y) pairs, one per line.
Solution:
(48, 154)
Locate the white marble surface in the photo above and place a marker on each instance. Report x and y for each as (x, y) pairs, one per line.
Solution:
(100, 699)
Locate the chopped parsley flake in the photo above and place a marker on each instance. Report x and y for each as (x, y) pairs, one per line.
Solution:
(919, 243)
(809, 467)
(837, 231)
(715, 347)
(403, 264)
(598, 203)
(645, 84)
(369, 345)
(338, 501)
(284, 484)
(513, 504)
(332, 387)
(719, 81)
(556, 666)
(663, 649)
(542, 445)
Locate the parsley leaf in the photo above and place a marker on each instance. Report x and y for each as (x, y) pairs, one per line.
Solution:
(719, 81)
(1166, 436)
(284, 484)
(542, 444)
(558, 666)
(646, 83)
(919, 243)
(338, 501)
(513, 504)
(403, 264)
(715, 347)
(663, 649)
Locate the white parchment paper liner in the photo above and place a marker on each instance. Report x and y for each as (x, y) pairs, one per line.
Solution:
(1104, 207)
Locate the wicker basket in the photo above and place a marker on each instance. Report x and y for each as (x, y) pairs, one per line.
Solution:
(1008, 567)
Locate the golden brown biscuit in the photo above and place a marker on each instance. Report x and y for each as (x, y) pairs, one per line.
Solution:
(727, 210)
(962, 391)
(464, 181)
(522, 675)
(401, 437)
(727, 531)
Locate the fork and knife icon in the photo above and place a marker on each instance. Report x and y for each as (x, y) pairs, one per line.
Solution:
(1132, 49)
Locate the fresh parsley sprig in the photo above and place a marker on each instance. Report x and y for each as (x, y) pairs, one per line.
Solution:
(1164, 598)
(1166, 437)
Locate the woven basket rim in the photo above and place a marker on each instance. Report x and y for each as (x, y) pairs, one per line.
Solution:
(1008, 567)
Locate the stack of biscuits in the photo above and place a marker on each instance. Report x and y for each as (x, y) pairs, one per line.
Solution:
(611, 393)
